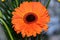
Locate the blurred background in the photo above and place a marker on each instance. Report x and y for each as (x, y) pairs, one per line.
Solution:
(54, 25)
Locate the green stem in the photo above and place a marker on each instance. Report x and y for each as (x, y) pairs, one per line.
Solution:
(47, 4)
(11, 37)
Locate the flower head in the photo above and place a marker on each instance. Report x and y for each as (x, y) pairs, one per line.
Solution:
(30, 18)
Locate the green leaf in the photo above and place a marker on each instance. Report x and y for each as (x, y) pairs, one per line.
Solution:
(16, 3)
(1, 14)
(47, 4)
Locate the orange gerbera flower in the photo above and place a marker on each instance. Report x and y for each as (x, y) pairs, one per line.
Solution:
(30, 18)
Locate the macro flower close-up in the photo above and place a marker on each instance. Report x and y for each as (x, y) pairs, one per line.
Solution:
(30, 19)
(24, 19)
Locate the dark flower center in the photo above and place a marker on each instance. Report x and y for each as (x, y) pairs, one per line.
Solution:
(30, 17)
